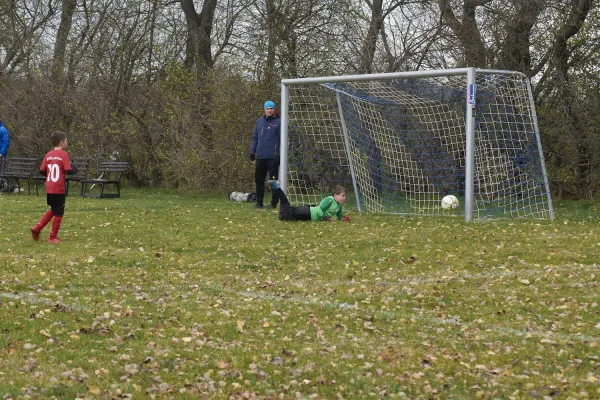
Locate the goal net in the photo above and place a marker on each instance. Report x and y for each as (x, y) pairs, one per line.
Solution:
(400, 142)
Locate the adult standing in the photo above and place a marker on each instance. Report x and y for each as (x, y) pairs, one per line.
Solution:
(265, 151)
(4, 145)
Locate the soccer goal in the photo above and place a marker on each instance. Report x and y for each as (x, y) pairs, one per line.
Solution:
(400, 142)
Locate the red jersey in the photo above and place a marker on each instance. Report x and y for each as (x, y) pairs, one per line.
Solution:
(55, 163)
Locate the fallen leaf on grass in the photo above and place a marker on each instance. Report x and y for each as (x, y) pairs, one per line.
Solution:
(368, 326)
(30, 365)
(132, 369)
(240, 325)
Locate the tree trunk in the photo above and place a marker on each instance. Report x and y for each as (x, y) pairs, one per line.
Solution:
(199, 54)
(561, 55)
(62, 38)
(466, 31)
(515, 53)
(367, 51)
(151, 39)
(272, 27)
(199, 31)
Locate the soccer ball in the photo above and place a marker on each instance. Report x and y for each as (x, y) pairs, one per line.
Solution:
(449, 202)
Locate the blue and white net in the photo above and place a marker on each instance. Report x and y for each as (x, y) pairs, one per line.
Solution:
(406, 144)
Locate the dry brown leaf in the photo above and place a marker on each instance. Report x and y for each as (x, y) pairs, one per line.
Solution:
(94, 390)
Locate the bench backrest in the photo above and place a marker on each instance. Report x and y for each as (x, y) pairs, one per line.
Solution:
(114, 169)
(20, 166)
(82, 164)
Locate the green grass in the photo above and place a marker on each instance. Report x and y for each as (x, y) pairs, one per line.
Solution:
(160, 294)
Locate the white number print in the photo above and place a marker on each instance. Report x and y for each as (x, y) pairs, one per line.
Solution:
(53, 173)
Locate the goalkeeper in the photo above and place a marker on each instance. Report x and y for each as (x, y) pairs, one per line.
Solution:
(328, 208)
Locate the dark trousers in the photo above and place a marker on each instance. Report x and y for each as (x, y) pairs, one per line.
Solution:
(3, 181)
(266, 166)
(289, 213)
(56, 203)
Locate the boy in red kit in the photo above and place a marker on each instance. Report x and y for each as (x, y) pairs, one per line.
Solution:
(55, 165)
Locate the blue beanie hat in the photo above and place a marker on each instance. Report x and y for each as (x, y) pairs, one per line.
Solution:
(269, 104)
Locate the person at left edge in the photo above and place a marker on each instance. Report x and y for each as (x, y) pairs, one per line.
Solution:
(265, 150)
(4, 145)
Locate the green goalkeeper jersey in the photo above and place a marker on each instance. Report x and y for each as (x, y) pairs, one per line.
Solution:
(327, 208)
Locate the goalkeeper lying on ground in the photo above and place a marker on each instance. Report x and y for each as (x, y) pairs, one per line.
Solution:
(329, 206)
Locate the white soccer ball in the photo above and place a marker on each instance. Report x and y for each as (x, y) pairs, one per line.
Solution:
(449, 202)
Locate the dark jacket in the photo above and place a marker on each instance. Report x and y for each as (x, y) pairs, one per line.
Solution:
(4, 140)
(265, 140)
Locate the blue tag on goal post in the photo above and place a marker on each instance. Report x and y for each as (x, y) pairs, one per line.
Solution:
(472, 88)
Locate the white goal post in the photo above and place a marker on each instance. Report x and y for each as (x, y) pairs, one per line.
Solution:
(399, 142)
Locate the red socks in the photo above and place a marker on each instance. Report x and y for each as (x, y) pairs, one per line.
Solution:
(37, 228)
(54, 231)
(44, 221)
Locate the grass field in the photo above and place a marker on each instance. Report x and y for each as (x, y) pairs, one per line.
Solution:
(169, 295)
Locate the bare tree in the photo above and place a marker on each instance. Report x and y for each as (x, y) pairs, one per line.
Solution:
(515, 50)
(295, 37)
(199, 29)
(62, 37)
(377, 17)
(164, 77)
(407, 37)
(22, 31)
(466, 30)
(561, 53)
(272, 25)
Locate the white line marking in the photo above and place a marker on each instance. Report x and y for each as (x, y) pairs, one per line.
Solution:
(32, 298)
(439, 321)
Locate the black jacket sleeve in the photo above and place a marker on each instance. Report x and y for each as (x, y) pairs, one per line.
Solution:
(73, 170)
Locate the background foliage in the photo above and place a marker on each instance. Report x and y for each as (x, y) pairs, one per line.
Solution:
(175, 87)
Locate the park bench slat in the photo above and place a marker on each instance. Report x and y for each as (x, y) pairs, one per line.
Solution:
(18, 169)
(110, 173)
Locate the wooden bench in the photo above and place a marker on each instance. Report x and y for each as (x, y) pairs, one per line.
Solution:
(82, 164)
(110, 174)
(19, 168)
